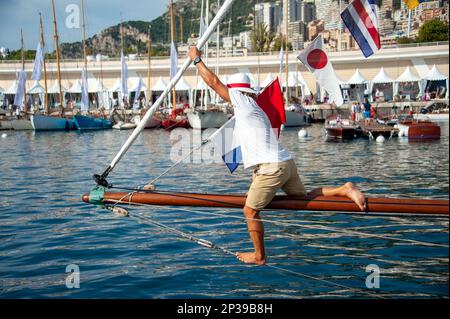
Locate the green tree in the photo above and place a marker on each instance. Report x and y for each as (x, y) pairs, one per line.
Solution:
(405, 40)
(280, 42)
(433, 31)
(262, 38)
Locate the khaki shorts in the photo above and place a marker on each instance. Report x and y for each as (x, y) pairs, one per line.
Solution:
(269, 178)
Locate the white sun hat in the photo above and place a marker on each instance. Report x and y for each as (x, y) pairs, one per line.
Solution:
(241, 82)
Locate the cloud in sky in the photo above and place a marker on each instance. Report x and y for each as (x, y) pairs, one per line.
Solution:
(100, 14)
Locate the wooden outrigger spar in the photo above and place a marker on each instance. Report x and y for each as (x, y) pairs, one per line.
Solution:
(100, 196)
(322, 204)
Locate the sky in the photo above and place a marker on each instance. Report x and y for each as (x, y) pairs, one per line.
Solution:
(100, 14)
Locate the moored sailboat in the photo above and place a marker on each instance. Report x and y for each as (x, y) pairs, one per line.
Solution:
(87, 122)
(48, 122)
(23, 123)
(208, 117)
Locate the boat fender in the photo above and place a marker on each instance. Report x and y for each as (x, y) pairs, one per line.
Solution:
(381, 139)
(4, 135)
(303, 133)
(122, 212)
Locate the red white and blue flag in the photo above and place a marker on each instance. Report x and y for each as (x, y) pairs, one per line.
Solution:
(361, 20)
(271, 101)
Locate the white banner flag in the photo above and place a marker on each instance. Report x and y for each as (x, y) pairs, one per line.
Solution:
(84, 92)
(124, 76)
(21, 83)
(38, 63)
(316, 60)
(173, 61)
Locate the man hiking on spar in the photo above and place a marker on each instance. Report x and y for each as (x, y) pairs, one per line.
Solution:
(273, 166)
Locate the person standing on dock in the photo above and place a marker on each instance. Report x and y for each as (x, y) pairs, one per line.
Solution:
(354, 111)
(274, 168)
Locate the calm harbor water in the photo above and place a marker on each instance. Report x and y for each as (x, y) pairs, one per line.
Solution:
(44, 226)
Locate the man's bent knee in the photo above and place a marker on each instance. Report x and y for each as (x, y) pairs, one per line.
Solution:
(250, 212)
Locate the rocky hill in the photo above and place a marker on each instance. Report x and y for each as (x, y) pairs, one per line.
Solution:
(108, 42)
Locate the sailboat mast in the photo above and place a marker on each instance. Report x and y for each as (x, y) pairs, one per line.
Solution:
(286, 13)
(25, 109)
(172, 38)
(57, 57)
(149, 71)
(83, 34)
(47, 104)
(218, 52)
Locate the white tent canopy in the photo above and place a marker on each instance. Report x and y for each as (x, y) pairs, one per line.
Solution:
(160, 85)
(182, 85)
(435, 75)
(357, 79)
(12, 89)
(201, 85)
(55, 88)
(139, 83)
(36, 89)
(407, 76)
(2, 90)
(76, 88)
(382, 77)
(268, 80)
(117, 86)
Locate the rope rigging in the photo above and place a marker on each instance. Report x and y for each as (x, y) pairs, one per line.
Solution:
(207, 244)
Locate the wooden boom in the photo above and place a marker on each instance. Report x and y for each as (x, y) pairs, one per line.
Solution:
(328, 204)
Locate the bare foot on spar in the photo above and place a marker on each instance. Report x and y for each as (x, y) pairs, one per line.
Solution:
(250, 258)
(355, 195)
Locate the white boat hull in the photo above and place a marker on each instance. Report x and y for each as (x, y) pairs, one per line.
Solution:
(22, 125)
(5, 125)
(201, 120)
(153, 123)
(444, 117)
(295, 119)
(121, 126)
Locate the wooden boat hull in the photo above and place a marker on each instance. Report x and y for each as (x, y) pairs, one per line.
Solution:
(88, 123)
(42, 123)
(343, 133)
(207, 119)
(424, 131)
(170, 124)
(329, 204)
(22, 125)
(420, 131)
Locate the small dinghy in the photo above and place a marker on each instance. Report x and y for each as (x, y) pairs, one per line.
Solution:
(124, 126)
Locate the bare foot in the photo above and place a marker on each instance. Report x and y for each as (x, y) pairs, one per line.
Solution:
(355, 195)
(250, 258)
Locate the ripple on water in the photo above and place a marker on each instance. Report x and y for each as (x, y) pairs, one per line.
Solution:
(45, 227)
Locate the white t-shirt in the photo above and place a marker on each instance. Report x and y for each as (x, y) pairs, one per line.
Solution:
(254, 133)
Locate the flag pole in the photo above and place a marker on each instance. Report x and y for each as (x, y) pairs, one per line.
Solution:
(101, 179)
(286, 12)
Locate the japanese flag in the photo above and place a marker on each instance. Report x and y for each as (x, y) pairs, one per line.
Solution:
(316, 60)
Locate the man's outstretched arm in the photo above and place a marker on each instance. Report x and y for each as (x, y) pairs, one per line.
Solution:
(209, 77)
